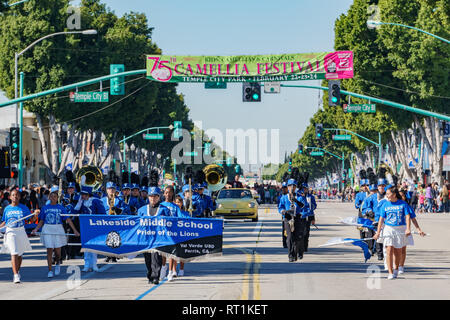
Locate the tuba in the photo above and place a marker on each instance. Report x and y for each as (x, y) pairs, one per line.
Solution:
(93, 177)
(215, 176)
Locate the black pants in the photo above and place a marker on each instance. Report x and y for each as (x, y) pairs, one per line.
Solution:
(73, 251)
(153, 261)
(295, 239)
(371, 243)
(283, 235)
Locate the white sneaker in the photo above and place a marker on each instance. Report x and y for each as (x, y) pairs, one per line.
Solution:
(170, 276)
(390, 276)
(181, 273)
(50, 274)
(163, 273)
(95, 268)
(16, 278)
(401, 270)
(395, 273)
(174, 274)
(57, 270)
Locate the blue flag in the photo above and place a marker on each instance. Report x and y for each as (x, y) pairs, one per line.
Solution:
(366, 223)
(363, 245)
(181, 238)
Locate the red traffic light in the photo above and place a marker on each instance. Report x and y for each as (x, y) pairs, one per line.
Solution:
(14, 173)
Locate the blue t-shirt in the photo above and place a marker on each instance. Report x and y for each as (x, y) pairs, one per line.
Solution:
(395, 213)
(11, 214)
(51, 214)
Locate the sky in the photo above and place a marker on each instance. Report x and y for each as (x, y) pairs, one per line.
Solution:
(244, 27)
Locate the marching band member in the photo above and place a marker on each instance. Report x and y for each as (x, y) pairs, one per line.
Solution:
(290, 207)
(368, 210)
(284, 190)
(362, 194)
(153, 260)
(113, 206)
(71, 194)
(89, 205)
(15, 241)
(184, 214)
(53, 237)
(126, 194)
(175, 211)
(209, 204)
(308, 212)
(119, 207)
(135, 200)
(144, 196)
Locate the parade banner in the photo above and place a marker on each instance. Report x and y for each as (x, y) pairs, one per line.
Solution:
(258, 68)
(183, 239)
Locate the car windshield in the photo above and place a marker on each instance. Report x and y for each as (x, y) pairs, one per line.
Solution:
(235, 194)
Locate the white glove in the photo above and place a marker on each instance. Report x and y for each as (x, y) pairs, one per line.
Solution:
(78, 206)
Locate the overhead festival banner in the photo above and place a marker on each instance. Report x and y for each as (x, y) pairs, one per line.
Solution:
(123, 236)
(259, 68)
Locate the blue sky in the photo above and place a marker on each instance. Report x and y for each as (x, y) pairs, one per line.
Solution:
(232, 27)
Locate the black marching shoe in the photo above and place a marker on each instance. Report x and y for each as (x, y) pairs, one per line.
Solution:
(155, 281)
(380, 258)
(291, 259)
(300, 256)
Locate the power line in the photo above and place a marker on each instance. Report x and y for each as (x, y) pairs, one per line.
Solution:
(407, 91)
(104, 108)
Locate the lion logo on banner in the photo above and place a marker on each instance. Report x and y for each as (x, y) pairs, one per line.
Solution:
(113, 240)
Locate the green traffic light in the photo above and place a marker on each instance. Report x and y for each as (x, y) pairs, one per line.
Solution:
(334, 99)
(15, 145)
(255, 96)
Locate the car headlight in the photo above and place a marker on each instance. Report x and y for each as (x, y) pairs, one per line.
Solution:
(220, 206)
(251, 205)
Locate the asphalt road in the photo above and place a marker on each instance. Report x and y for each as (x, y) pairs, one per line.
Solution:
(254, 266)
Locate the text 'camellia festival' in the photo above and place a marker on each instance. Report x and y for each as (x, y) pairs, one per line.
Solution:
(283, 67)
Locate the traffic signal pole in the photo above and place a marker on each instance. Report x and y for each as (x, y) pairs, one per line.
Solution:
(373, 142)
(144, 71)
(334, 155)
(20, 166)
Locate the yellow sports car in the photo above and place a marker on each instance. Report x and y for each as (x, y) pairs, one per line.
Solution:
(236, 203)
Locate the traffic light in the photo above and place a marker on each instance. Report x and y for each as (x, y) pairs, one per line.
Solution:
(5, 167)
(300, 148)
(116, 84)
(334, 92)
(229, 161)
(177, 129)
(251, 92)
(207, 148)
(238, 169)
(14, 173)
(319, 130)
(290, 165)
(14, 141)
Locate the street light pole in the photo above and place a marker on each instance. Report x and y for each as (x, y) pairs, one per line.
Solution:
(372, 24)
(16, 58)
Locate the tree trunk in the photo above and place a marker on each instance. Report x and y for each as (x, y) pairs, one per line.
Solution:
(54, 145)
